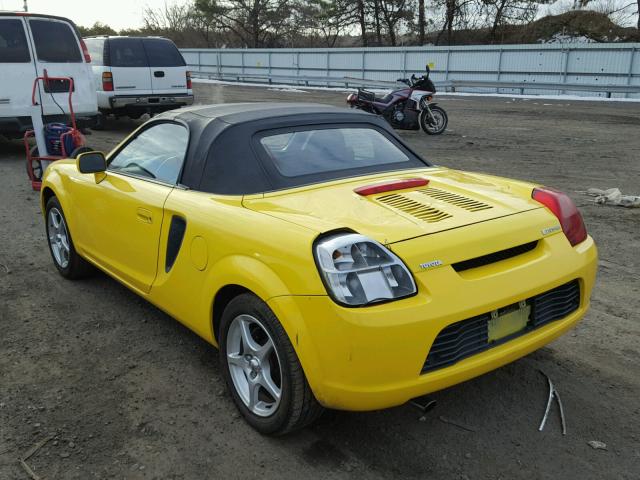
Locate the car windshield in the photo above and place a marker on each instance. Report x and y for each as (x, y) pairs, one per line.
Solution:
(325, 150)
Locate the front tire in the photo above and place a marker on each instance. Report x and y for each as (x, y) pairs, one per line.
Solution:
(262, 370)
(67, 261)
(436, 123)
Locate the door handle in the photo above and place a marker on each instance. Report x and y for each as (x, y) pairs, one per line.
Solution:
(158, 74)
(145, 215)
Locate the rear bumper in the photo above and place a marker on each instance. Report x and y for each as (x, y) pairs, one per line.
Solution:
(371, 358)
(150, 102)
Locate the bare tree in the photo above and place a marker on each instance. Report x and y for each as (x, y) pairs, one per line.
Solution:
(172, 18)
(501, 12)
(394, 14)
(362, 20)
(329, 17)
(256, 23)
(421, 22)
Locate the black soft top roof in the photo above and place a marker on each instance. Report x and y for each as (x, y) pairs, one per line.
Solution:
(221, 157)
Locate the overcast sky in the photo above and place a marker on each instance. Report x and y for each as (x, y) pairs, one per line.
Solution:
(116, 13)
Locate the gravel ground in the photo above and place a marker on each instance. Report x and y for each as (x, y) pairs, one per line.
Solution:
(124, 391)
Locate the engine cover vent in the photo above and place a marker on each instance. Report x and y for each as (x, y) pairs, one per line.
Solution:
(455, 199)
(411, 207)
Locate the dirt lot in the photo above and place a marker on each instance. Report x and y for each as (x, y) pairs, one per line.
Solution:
(130, 393)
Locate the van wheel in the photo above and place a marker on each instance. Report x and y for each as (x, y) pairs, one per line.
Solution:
(262, 370)
(36, 165)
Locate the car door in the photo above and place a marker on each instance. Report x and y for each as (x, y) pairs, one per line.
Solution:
(16, 65)
(118, 216)
(168, 68)
(129, 66)
(58, 51)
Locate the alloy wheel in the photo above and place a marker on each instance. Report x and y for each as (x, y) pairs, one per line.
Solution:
(254, 365)
(58, 237)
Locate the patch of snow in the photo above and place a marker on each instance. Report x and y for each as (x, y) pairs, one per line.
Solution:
(290, 90)
(565, 38)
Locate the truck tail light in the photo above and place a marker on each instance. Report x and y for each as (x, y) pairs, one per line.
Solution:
(565, 210)
(85, 51)
(107, 81)
(189, 85)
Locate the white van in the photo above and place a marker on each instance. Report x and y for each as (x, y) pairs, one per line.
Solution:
(138, 75)
(31, 46)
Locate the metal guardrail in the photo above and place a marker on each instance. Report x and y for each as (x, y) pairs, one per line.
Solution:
(601, 65)
(449, 85)
(562, 87)
(293, 79)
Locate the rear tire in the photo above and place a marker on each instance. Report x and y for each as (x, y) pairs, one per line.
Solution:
(65, 258)
(254, 351)
(99, 125)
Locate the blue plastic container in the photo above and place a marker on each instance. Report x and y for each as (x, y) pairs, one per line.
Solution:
(52, 134)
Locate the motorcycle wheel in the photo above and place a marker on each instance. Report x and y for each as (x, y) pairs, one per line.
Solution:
(435, 125)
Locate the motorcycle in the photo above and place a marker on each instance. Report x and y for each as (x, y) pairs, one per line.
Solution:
(409, 108)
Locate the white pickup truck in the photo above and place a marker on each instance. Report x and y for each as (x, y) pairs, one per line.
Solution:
(138, 75)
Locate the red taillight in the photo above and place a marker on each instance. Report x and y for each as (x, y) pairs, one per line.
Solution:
(391, 186)
(107, 81)
(189, 84)
(563, 207)
(85, 51)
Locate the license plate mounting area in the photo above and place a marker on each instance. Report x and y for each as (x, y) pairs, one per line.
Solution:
(507, 321)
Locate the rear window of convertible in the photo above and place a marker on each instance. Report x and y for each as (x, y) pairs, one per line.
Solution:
(331, 152)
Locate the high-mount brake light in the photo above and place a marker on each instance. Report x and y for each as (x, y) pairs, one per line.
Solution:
(565, 210)
(107, 81)
(391, 186)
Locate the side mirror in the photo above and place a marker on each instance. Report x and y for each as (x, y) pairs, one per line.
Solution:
(91, 162)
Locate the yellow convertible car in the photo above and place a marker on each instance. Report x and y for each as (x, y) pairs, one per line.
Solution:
(331, 265)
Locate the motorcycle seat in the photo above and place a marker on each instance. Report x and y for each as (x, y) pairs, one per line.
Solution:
(369, 96)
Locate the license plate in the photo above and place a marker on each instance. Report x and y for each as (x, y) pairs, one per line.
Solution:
(509, 320)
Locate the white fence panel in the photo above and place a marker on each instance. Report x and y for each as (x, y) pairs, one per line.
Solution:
(585, 64)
